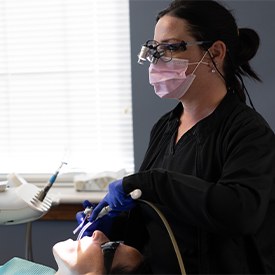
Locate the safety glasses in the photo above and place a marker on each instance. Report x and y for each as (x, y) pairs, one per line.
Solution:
(153, 51)
(109, 250)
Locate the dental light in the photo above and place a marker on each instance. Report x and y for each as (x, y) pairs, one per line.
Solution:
(19, 203)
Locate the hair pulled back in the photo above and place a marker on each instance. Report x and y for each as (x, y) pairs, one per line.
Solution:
(210, 21)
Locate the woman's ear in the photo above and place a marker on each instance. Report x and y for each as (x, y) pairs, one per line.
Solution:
(218, 51)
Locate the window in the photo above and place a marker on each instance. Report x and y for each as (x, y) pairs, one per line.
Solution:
(65, 86)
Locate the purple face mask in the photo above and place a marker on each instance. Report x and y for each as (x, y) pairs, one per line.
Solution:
(169, 78)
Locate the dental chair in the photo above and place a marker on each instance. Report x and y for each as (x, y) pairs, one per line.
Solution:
(24, 267)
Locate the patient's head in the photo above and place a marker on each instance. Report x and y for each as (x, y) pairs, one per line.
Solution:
(86, 256)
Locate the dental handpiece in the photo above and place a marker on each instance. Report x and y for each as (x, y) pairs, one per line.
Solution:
(50, 183)
(136, 194)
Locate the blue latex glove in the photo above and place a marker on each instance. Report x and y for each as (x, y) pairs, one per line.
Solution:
(103, 224)
(115, 198)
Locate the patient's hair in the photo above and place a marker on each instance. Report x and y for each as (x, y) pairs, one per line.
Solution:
(143, 268)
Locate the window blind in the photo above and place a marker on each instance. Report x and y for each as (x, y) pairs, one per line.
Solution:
(65, 86)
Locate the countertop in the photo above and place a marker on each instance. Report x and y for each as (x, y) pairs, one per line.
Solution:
(68, 195)
(67, 202)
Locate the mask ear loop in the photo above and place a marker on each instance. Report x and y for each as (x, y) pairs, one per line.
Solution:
(198, 63)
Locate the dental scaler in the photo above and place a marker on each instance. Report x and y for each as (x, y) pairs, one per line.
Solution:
(50, 183)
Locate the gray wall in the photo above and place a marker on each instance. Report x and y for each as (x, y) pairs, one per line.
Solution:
(147, 108)
(44, 235)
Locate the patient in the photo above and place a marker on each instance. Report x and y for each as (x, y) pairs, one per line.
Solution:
(88, 256)
(95, 255)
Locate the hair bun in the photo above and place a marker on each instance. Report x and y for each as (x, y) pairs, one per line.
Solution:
(249, 42)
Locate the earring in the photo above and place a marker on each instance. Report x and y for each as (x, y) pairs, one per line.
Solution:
(214, 68)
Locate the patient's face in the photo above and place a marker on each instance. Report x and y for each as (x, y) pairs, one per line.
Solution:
(85, 255)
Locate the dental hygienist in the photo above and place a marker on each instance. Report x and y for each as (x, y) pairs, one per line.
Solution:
(210, 164)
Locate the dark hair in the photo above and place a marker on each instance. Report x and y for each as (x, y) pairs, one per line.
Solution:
(142, 268)
(210, 21)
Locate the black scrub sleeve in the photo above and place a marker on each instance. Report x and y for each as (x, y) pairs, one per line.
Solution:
(237, 202)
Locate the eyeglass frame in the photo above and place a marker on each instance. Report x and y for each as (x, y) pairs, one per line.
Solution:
(155, 55)
(109, 249)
